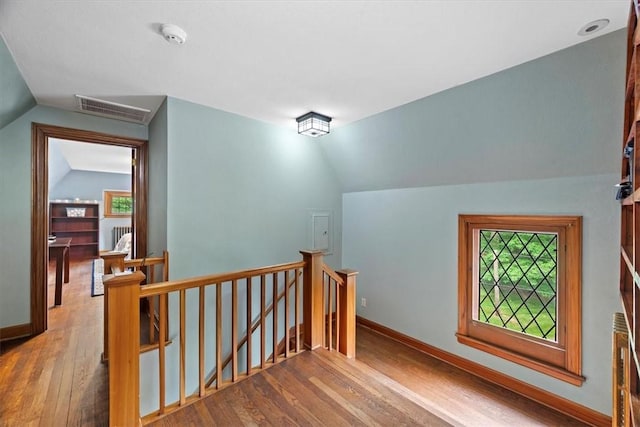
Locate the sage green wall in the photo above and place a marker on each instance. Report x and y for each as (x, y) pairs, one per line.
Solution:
(240, 191)
(15, 98)
(157, 196)
(540, 138)
(239, 194)
(15, 197)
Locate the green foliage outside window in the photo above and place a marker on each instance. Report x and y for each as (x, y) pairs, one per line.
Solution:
(517, 283)
(122, 205)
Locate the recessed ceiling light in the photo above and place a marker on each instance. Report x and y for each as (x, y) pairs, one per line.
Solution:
(593, 27)
(173, 33)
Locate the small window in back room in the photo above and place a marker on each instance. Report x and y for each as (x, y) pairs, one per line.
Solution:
(117, 203)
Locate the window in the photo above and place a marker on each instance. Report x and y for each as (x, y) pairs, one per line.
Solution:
(519, 290)
(117, 203)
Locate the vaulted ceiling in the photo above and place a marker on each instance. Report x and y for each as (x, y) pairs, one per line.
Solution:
(275, 60)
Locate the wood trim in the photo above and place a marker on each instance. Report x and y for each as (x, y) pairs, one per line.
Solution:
(545, 368)
(562, 359)
(40, 133)
(15, 331)
(553, 401)
(39, 227)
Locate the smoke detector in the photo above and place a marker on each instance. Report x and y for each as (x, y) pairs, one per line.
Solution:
(173, 33)
(593, 26)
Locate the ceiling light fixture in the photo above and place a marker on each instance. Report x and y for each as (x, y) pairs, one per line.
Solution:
(593, 27)
(313, 124)
(173, 33)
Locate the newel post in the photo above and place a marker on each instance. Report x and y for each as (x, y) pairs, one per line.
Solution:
(347, 310)
(313, 308)
(112, 262)
(124, 348)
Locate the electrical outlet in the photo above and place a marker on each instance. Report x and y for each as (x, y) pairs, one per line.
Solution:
(363, 302)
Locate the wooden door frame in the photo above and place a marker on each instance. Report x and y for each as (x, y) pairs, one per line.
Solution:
(40, 134)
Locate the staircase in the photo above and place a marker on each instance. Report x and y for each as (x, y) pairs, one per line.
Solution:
(222, 328)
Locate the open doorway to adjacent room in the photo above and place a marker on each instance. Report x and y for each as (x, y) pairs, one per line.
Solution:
(79, 192)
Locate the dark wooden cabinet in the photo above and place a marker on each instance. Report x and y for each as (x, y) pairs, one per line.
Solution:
(79, 221)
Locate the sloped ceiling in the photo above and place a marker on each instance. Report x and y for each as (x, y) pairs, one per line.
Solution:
(560, 115)
(275, 60)
(15, 96)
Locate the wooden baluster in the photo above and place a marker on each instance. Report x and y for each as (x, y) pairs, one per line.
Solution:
(151, 270)
(263, 304)
(313, 315)
(275, 317)
(165, 266)
(124, 348)
(152, 318)
(337, 316)
(218, 335)
(286, 314)
(201, 294)
(249, 323)
(161, 349)
(329, 315)
(151, 309)
(183, 336)
(165, 278)
(234, 330)
(348, 313)
(297, 314)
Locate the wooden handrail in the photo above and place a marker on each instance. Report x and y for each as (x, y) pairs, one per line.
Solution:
(278, 282)
(196, 282)
(329, 272)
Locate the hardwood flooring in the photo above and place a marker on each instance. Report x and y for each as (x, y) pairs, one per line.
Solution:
(56, 379)
(388, 384)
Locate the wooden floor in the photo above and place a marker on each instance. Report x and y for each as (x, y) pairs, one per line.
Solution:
(56, 379)
(389, 384)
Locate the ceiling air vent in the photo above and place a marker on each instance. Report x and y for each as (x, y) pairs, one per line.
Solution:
(112, 109)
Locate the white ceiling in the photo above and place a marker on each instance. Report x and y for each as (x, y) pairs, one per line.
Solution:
(93, 157)
(275, 60)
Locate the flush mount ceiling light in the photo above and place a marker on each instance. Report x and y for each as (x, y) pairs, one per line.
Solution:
(313, 124)
(593, 27)
(173, 33)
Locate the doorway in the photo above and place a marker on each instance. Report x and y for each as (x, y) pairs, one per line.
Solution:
(40, 203)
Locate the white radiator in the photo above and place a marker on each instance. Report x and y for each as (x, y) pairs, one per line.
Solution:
(118, 232)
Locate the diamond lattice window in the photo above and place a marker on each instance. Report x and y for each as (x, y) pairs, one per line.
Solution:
(519, 290)
(517, 282)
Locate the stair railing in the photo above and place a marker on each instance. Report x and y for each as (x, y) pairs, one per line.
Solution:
(115, 263)
(316, 314)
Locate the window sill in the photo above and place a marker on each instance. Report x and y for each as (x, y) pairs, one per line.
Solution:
(547, 369)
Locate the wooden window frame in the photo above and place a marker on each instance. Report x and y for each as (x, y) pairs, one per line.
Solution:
(108, 197)
(561, 360)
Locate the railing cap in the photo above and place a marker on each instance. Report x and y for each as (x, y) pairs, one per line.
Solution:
(113, 254)
(311, 252)
(347, 272)
(123, 279)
